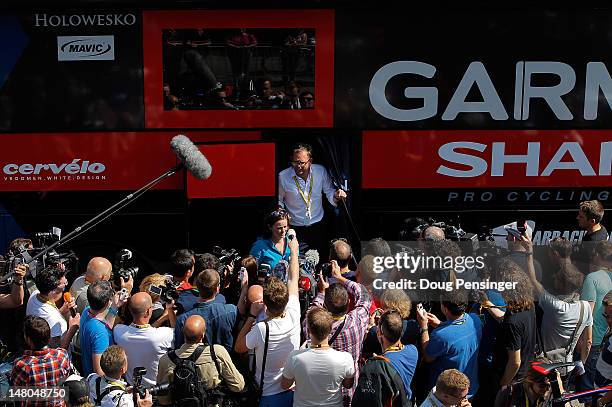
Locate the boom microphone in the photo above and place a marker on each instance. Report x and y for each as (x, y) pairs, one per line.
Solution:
(191, 157)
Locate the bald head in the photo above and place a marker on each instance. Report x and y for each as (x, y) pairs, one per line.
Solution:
(433, 233)
(98, 268)
(140, 303)
(255, 293)
(194, 329)
(341, 252)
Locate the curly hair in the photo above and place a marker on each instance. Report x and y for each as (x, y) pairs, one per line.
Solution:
(48, 279)
(397, 300)
(521, 298)
(152, 279)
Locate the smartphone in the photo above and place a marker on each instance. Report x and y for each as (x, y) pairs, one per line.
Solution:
(155, 290)
(123, 294)
(241, 274)
(521, 226)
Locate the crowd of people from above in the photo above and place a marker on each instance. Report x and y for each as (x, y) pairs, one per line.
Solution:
(274, 329)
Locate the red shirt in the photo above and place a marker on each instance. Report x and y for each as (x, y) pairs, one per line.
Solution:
(41, 368)
(184, 286)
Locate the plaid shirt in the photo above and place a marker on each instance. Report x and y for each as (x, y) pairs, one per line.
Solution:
(350, 339)
(41, 368)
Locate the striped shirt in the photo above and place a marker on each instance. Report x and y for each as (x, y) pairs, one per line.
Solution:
(350, 339)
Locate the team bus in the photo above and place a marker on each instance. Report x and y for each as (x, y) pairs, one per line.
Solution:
(470, 116)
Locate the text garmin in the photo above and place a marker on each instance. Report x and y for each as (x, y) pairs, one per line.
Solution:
(76, 20)
(597, 79)
(530, 161)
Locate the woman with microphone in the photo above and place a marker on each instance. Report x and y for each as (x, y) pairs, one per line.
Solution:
(273, 247)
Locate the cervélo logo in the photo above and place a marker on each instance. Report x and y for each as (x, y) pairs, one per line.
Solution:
(86, 48)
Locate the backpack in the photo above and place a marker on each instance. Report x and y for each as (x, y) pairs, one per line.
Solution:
(187, 387)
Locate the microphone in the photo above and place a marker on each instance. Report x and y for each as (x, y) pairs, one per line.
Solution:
(191, 157)
(68, 298)
(291, 234)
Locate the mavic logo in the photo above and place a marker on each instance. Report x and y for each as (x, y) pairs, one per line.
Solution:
(86, 48)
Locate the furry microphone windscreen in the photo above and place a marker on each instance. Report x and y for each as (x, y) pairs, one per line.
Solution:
(191, 157)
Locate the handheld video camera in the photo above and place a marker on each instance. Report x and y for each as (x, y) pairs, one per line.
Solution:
(227, 270)
(120, 269)
(167, 292)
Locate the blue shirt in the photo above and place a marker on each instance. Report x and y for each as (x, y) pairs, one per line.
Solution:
(266, 253)
(491, 331)
(189, 298)
(220, 321)
(95, 337)
(405, 361)
(454, 345)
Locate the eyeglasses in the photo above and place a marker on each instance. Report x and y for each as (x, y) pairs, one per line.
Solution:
(338, 239)
(299, 163)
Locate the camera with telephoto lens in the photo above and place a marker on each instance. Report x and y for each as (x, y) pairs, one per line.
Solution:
(121, 270)
(137, 376)
(167, 292)
(227, 270)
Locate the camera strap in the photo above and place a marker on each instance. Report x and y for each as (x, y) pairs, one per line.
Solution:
(337, 332)
(213, 355)
(259, 389)
(100, 396)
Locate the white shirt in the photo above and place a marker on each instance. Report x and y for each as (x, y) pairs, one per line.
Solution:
(116, 398)
(144, 347)
(431, 400)
(49, 313)
(290, 198)
(284, 338)
(318, 375)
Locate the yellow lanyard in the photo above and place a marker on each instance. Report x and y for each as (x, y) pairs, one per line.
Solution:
(393, 349)
(114, 383)
(141, 326)
(48, 302)
(301, 191)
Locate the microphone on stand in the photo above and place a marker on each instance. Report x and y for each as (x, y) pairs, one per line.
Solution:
(190, 157)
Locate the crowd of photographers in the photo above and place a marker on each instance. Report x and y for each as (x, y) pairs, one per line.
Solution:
(278, 329)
